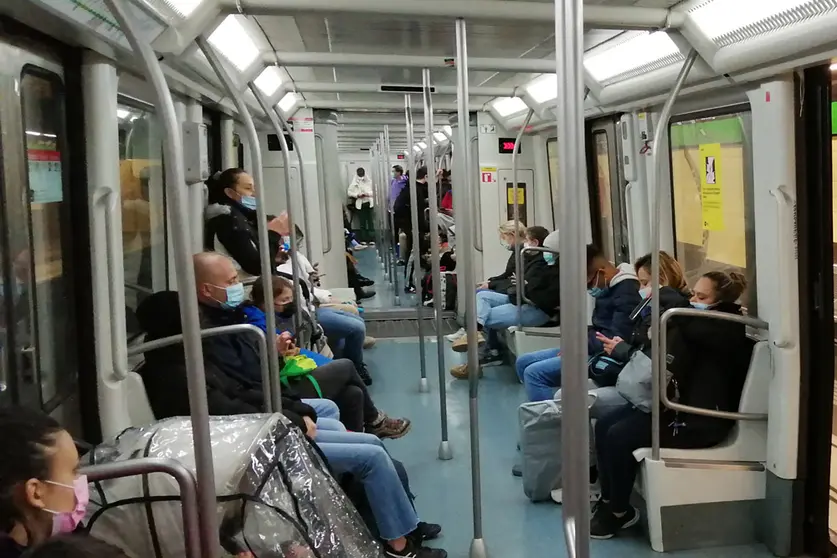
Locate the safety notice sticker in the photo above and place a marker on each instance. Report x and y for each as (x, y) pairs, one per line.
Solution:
(711, 192)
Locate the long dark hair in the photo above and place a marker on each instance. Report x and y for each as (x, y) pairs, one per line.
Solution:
(220, 181)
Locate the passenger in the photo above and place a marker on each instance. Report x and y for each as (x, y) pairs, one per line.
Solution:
(403, 212)
(220, 294)
(361, 200)
(80, 546)
(399, 180)
(616, 290)
(231, 220)
(500, 283)
(497, 311)
(706, 359)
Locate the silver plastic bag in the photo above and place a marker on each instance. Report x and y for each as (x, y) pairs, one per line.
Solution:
(634, 381)
(275, 494)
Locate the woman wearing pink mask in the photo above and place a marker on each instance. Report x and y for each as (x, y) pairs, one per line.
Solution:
(41, 492)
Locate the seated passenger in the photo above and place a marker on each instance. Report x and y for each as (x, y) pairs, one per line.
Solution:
(81, 546)
(500, 283)
(219, 296)
(707, 358)
(231, 220)
(616, 290)
(496, 311)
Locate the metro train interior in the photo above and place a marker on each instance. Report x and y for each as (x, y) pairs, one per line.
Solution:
(703, 128)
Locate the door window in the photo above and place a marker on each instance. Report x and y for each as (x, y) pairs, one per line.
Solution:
(602, 161)
(40, 263)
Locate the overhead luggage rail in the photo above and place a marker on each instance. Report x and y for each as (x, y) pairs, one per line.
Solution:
(185, 273)
(185, 482)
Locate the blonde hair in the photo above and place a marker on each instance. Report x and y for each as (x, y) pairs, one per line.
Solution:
(671, 274)
(508, 228)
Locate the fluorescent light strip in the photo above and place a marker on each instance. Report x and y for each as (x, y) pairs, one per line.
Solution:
(543, 88)
(439, 137)
(269, 80)
(233, 41)
(730, 21)
(506, 106)
(287, 102)
(183, 7)
(641, 51)
(422, 145)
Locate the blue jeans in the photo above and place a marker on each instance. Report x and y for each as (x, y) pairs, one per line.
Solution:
(345, 332)
(497, 311)
(364, 456)
(540, 373)
(325, 408)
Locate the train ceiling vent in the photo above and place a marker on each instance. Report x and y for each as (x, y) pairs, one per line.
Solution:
(418, 89)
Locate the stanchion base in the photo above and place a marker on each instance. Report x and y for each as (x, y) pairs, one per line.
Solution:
(398, 301)
(478, 549)
(424, 387)
(445, 453)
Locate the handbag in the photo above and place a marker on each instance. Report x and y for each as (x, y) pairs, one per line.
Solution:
(299, 366)
(603, 370)
(634, 382)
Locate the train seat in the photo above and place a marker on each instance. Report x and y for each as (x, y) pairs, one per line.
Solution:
(529, 339)
(721, 484)
(138, 407)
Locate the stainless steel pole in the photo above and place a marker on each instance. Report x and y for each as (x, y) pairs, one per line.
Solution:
(393, 230)
(265, 262)
(185, 272)
(518, 255)
(657, 150)
(424, 387)
(466, 260)
(445, 452)
(286, 158)
(575, 451)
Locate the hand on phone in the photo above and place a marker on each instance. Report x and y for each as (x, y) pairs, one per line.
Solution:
(608, 343)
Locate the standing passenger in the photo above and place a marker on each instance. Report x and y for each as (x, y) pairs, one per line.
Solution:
(361, 200)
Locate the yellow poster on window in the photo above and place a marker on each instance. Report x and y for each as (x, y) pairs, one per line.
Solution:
(711, 183)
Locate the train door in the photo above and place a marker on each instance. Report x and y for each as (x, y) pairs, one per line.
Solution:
(38, 361)
(608, 190)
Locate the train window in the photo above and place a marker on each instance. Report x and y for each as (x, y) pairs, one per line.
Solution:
(711, 170)
(602, 162)
(41, 263)
(144, 232)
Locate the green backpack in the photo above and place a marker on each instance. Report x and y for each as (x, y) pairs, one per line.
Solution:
(299, 365)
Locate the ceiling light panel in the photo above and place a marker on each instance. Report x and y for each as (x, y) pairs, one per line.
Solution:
(233, 41)
(422, 145)
(641, 52)
(269, 80)
(182, 7)
(543, 88)
(439, 137)
(507, 106)
(287, 102)
(728, 22)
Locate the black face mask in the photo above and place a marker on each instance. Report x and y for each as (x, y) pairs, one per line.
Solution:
(289, 311)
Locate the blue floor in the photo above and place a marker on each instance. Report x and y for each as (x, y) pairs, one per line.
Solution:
(370, 266)
(513, 527)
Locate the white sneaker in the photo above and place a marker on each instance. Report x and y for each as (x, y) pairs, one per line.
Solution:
(558, 494)
(454, 337)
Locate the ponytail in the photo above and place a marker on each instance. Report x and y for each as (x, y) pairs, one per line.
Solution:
(729, 286)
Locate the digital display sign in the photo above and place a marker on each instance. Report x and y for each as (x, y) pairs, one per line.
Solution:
(400, 156)
(507, 145)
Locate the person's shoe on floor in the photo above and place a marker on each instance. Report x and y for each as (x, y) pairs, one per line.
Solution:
(461, 344)
(387, 427)
(425, 532)
(491, 356)
(605, 524)
(452, 337)
(412, 550)
(369, 342)
(517, 470)
(364, 374)
(460, 372)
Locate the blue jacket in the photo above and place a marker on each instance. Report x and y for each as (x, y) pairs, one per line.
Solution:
(255, 316)
(612, 313)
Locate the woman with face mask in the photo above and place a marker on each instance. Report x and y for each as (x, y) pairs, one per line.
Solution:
(41, 492)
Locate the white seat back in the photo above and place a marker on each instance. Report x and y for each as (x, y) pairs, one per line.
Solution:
(755, 396)
(139, 409)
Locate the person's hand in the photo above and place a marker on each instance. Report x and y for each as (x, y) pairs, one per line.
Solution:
(482, 286)
(608, 343)
(284, 343)
(513, 279)
(275, 225)
(310, 427)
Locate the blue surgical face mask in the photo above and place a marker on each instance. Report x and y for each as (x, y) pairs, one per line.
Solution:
(549, 257)
(235, 296)
(645, 292)
(701, 305)
(249, 202)
(596, 292)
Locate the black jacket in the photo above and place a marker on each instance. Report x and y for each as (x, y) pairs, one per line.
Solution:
(164, 371)
(502, 282)
(542, 284)
(402, 209)
(612, 313)
(639, 339)
(708, 361)
(235, 228)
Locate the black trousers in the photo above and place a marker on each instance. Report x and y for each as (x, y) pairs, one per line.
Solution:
(626, 429)
(339, 381)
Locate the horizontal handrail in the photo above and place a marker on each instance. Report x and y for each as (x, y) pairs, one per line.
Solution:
(250, 280)
(139, 288)
(540, 249)
(659, 351)
(269, 405)
(185, 482)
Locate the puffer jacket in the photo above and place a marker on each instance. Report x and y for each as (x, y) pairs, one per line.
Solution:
(234, 227)
(612, 313)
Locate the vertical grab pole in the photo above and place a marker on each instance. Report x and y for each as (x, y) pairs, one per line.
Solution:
(463, 227)
(393, 233)
(444, 446)
(261, 215)
(286, 158)
(424, 387)
(518, 255)
(175, 180)
(575, 451)
(657, 149)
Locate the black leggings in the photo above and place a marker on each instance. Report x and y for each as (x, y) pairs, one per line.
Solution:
(339, 381)
(626, 429)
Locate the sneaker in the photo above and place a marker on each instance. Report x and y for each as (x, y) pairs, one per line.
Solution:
(412, 550)
(491, 356)
(557, 496)
(461, 372)
(425, 532)
(605, 525)
(517, 470)
(387, 427)
(369, 342)
(461, 344)
(452, 337)
(363, 372)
